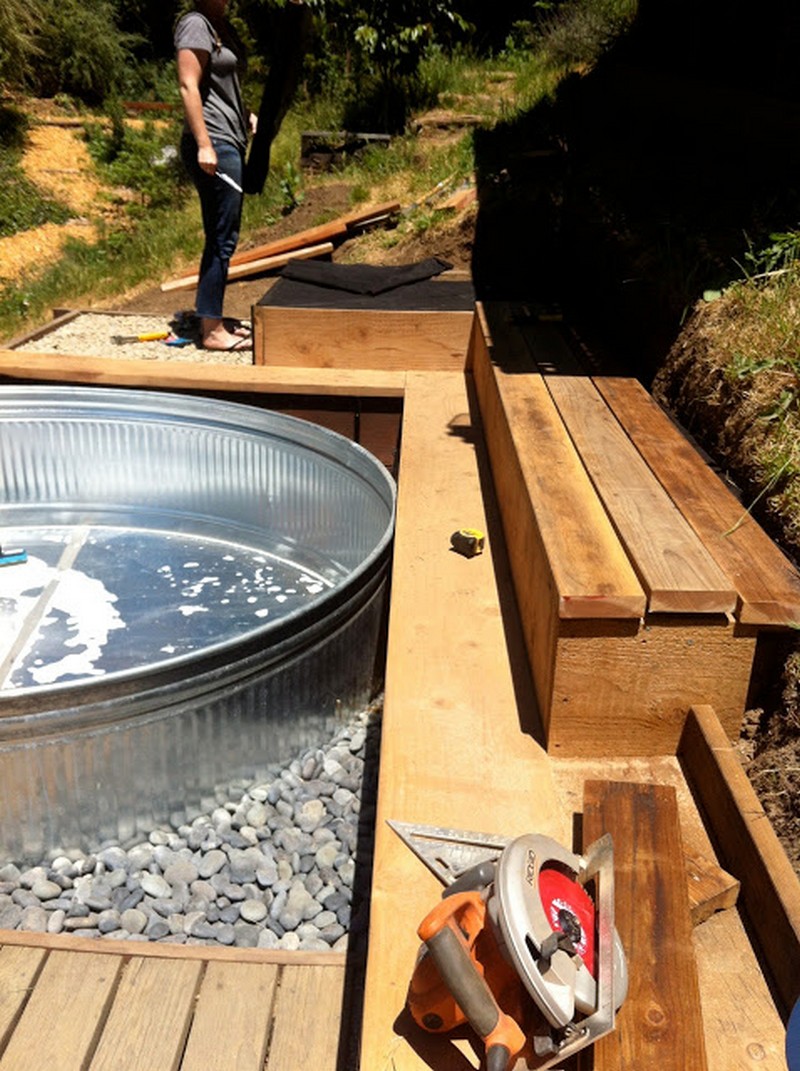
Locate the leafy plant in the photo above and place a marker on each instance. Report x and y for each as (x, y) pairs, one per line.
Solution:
(144, 160)
(19, 20)
(290, 186)
(79, 49)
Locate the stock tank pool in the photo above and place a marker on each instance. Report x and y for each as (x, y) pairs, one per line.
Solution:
(203, 594)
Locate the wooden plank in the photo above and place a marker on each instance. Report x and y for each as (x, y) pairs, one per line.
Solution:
(710, 887)
(458, 200)
(674, 567)
(554, 522)
(767, 583)
(256, 266)
(459, 709)
(19, 968)
(156, 950)
(59, 319)
(231, 1022)
(408, 339)
(325, 232)
(745, 838)
(660, 1024)
(150, 1017)
(61, 1022)
(185, 375)
(744, 1031)
(742, 1027)
(307, 1020)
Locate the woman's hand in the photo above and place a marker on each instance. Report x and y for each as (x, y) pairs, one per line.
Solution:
(207, 159)
(252, 122)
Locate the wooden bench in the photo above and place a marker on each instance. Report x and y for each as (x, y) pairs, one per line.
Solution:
(640, 589)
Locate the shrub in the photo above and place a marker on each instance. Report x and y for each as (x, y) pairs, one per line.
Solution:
(80, 50)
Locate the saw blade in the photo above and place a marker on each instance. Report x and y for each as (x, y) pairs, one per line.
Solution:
(448, 853)
(570, 910)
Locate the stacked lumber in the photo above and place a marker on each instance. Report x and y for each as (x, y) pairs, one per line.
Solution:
(312, 242)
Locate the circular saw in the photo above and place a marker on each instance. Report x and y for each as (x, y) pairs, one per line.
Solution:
(522, 945)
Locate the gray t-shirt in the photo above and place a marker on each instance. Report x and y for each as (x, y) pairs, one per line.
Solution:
(223, 110)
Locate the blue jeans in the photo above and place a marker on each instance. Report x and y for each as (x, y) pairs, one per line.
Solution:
(221, 209)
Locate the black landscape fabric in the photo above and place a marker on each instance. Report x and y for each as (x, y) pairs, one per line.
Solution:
(363, 278)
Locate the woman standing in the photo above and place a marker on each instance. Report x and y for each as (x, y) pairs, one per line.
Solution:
(213, 147)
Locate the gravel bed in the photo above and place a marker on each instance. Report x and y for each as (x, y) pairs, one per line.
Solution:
(279, 864)
(92, 334)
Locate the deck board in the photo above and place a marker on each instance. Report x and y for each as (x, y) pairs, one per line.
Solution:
(458, 711)
(149, 1021)
(307, 1020)
(766, 581)
(81, 1004)
(232, 1018)
(64, 1015)
(18, 970)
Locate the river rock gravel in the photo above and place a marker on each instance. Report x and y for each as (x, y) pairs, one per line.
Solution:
(277, 864)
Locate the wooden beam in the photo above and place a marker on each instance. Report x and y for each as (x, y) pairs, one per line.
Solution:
(660, 1024)
(710, 887)
(565, 552)
(206, 376)
(745, 839)
(154, 950)
(325, 232)
(398, 340)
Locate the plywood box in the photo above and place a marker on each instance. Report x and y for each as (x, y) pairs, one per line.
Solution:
(422, 326)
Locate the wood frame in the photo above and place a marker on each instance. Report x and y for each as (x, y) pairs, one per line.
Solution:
(462, 739)
(592, 634)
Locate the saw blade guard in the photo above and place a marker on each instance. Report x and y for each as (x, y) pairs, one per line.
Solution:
(549, 925)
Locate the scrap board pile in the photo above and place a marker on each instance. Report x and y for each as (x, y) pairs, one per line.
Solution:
(314, 242)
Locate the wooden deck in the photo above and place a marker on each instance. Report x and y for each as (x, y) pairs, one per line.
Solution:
(463, 745)
(84, 1005)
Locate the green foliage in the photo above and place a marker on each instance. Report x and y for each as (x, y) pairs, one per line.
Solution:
(19, 20)
(575, 32)
(21, 204)
(782, 252)
(374, 51)
(142, 159)
(80, 50)
(291, 187)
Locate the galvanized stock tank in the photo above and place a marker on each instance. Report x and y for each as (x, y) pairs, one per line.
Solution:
(203, 596)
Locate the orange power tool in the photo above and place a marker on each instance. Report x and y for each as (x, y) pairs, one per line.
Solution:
(517, 947)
